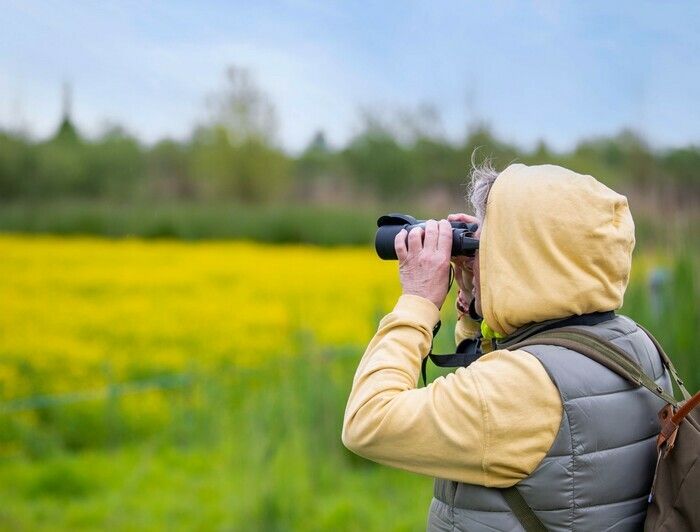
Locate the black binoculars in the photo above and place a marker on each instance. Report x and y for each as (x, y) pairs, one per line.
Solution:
(389, 225)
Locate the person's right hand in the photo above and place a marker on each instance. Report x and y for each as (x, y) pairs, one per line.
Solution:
(464, 274)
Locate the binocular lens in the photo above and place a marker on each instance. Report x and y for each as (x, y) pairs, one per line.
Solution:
(384, 241)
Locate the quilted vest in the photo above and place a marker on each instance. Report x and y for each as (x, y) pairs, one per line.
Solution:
(598, 472)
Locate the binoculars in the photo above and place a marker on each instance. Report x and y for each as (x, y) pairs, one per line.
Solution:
(389, 225)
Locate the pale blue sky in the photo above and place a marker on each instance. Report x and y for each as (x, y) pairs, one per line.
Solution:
(557, 71)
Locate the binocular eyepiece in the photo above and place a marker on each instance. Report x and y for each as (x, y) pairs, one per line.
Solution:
(389, 225)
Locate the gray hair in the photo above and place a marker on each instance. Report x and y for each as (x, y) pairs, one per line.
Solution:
(481, 179)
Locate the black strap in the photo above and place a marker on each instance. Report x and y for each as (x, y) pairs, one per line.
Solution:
(517, 504)
(469, 350)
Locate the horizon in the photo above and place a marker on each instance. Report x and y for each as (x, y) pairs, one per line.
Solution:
(469, 129)
(151, 69)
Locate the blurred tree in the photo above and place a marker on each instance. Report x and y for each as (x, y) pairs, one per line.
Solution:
(376, 160)
(315, 160)
(243, 109)
(212, 161)
(542, 153)
(683, 166)
(318, 143)
(169, 171)
(250, 170)
(320, 175)
(115, 164)
(625, 157)
(61, 170)
(17, 164)
(67, 132)
(234, 154)
(437, 163)
(637, 156)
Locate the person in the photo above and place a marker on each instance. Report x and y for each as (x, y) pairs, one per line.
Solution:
(574, 438)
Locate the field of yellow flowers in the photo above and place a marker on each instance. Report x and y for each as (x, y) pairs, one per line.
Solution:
(78, 311)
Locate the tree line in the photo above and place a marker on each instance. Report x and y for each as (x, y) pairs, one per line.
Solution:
(234, 156)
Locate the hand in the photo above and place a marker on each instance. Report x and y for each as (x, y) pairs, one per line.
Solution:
(424, 265)
(464, 273)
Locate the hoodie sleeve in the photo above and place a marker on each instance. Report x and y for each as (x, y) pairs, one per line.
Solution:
(475, 425)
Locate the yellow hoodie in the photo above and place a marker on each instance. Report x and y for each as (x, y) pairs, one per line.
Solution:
(554, 243)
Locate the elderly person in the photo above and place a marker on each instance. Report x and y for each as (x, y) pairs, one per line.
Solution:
(575, 439)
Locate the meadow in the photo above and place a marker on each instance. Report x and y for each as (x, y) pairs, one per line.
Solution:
(200, 385)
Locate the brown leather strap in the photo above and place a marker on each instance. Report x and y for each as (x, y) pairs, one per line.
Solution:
(686, 408)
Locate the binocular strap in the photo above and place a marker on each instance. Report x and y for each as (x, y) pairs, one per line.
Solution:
(467, 352)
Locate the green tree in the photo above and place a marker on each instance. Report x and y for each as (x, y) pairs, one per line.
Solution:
(169, 173)
(376, 160)
(235, 154)
(683, 166)
(16, 166)
(250, 170)
(61, 171)
(114, 165)
(243, 109)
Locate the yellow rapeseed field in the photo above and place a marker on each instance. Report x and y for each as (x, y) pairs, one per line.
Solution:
(76, 313)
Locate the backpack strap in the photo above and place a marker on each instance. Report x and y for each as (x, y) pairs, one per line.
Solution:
(602, 351)
(525, 515)
(667, 362)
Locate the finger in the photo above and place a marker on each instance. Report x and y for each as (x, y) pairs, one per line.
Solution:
(400, 245)
(431, 235)
(461, 217)
(444, 245)
(415, 237)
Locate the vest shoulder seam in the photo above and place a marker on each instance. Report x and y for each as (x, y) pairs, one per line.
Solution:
(653, 436)
(628, 388)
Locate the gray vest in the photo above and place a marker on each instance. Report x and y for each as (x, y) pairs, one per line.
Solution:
(598, 472)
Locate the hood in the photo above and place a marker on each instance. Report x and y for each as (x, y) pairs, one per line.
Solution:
(554, 243)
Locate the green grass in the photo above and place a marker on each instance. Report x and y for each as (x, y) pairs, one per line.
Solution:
(193, 221)
(240, 450)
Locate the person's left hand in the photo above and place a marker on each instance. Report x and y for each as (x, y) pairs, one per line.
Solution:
(464, 269)
(424, 260)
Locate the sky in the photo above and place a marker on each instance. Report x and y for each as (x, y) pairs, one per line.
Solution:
(540, 70)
